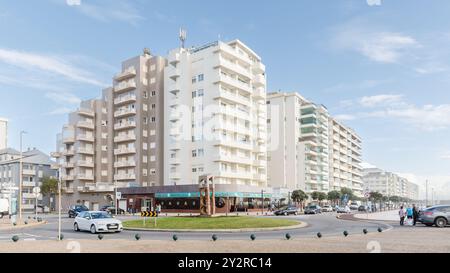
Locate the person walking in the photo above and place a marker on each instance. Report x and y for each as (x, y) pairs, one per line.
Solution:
(402, 214)
(415, 214)
(409, 215)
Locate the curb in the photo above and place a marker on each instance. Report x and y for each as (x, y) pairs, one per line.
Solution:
(24, 226)
(301, 225)
(353, 218)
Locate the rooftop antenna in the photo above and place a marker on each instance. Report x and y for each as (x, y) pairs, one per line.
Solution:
(182, 36)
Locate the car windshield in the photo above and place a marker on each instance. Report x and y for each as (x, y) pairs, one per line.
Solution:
(81, 208)
(312, 207)
(100, 215)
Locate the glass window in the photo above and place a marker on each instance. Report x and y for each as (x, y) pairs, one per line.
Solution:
(201, 77)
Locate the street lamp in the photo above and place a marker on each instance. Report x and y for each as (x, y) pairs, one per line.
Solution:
(20, 175)
(262, 199)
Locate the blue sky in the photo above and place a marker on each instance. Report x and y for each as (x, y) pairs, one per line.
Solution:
(382, 67)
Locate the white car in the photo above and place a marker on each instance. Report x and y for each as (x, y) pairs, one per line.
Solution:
(97, 221)
(327, 208)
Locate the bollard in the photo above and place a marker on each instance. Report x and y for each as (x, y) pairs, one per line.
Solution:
(214, 237)
(253, 237)
(15, 238)
(137, 237)
(60, 238)
(175, 237)
(380, 229)
(100, 236)
(14, 224)
(365, 231)
(345, 233)
(26, 222)
(319, 235)
(288, 236)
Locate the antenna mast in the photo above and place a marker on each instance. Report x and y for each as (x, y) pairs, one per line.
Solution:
(182, 36)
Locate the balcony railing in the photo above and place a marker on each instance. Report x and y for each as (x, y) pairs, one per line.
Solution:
(127, 73)
(125, 99)
(124, 138)
(125, 86)
(85, 164)
(122, 151)
(122, 164)
(86, 138)
(85, 124)
(124, 112)
(124, 125)
(126, 176)
(85, 151)
(85, 176)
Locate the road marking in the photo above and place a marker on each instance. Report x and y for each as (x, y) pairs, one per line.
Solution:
(29, 239)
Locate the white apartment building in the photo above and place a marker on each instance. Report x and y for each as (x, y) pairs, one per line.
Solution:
(215, 119)
(305, 152)
(115, 141)
(3, 133)
(298, 143)
(345, 151)
(389, 184)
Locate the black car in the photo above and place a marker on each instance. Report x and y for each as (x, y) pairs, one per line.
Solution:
(74, 210)
(287, 211)
(112, 210)
(362, 208)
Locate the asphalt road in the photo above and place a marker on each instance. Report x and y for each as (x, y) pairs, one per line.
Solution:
(325, 223)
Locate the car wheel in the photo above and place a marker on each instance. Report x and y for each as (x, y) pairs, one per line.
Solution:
(93, 229)
(440, 222)
(75, 227)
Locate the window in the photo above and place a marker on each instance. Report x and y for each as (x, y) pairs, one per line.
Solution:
(153, 93)
(145, 159)
(200, 92)
(152, 80)
(152, 158)
(153, 119)
(104, 123)
(144, 146)
(201, 77)
(152, 145)
(152, 171)
(194, 170)
(145, 107)
(194, 79)
(152, 67)
(145, 120)
(194, 153)
(194, 94)
(145, 94)
(200, 169)
(144, 172)
(144, 133)
(152, 132)
(200, 152)
(153, 106)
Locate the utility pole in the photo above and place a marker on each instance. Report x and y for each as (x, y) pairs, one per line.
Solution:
(426, 193)
(59, 202)
(20, 175)
(116, 207)
(262, 199)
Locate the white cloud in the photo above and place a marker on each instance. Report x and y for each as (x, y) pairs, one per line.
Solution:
(382, 99)
(366, 165)
(59, 111)
(63, 98)
(445, 156)
(52, 64)
(439, 183)
(345, 117)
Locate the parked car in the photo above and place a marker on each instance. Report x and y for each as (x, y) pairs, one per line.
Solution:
(287, 211)
(74, 210)
(354, 206)
(4, 207)
(437, 215)
(327, 208)
(104, 208)
(343, 210)
(112, 210)
(362, 208)
(97, 221)
(313, 209)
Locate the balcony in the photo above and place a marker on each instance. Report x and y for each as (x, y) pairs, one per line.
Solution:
(232, 97)
(173, 102)
(259, 93)
(174, 115)
(124, 125)
(259, 80)
(125, 138)
(68, 177)
(55, 154)
(125, 99)
(260, 163)
(54, 166)
(125, 86)
(68, 165)
(69, 140)
(68, 190)
(260, 150)
(233, 159)
(28, 172)
(259, 177)
(85, 164)
(173, 58)
(234, 143)
(26, 195)
(237, 175)
(174, 175)
(124, 113)
(85, 138)
(28, 184)
(174, 87)
(258, 68)
(175, 131)
(124, 151)
(233, 52)
(88, 151)
(222, 62)
(173, 72)
(175, 161)
(69, 152)
(233, 82)
(84, 176)
(127, 73)
(175, 146)
(125, 176)
(85, 125)
(124, 164)
(96, 187)
(86, 112)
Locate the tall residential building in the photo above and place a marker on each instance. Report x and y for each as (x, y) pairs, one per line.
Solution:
(389, 184)
(3, 133)
(345, 150)
(35, 166)
(298, 143)
(305, 152)
(117, 140)
(216, 115)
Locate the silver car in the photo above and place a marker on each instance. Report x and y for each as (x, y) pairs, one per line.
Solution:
(437, 215)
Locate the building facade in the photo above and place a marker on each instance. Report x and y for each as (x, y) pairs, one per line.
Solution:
(3, 133)
(389, 184)
(216, 115)
(35, 166)
(117, 140)
(305, 152)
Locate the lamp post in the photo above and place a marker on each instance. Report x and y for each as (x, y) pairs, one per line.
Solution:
(116, 207)
(262, 199)
(59, 201)
(20, 175)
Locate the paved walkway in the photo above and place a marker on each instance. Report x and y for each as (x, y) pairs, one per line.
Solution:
(391, 215)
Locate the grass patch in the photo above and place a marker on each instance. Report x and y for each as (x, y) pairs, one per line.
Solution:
(231, 222)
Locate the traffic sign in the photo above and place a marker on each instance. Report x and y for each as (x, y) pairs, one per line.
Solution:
(367, 194)
(118, 195)
(36, 190)
(149, 214)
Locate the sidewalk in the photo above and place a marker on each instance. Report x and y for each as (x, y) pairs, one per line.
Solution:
(391, 215)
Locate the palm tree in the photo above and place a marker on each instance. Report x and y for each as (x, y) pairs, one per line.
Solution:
(334, 196)
(299, 196)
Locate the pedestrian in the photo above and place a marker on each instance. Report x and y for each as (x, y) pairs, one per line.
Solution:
(409, 215)
(415, 214)
(402, 214)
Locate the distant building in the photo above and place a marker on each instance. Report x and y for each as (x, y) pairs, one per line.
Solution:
(389, 184)
(36, 165)
(3, 133)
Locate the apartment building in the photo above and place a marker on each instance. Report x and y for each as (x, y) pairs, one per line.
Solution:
(216, 115)
(389, 184)
(117, 140)
(298, 143)
(35, 166)
(345, 150)
(3, 133)
(305, 152)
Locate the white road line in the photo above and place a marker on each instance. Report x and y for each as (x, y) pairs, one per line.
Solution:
(31, 235)
(30, 239)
